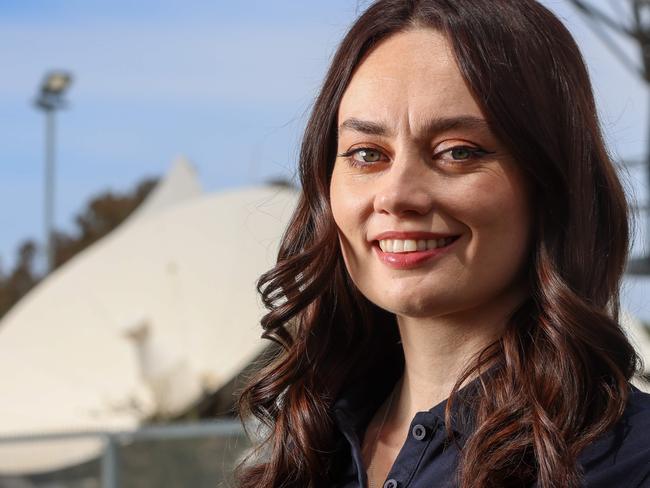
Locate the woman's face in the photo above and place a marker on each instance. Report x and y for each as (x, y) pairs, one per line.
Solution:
(432, 212)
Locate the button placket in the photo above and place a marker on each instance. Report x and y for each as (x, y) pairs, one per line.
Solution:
(422, 432)
(419, 432)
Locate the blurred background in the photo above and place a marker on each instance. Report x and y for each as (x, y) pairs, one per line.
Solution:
(147, 170)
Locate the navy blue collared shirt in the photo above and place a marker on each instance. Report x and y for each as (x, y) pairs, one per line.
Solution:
(619, 459)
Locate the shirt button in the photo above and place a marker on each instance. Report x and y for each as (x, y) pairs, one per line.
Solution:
(419, 432)
(391, 483)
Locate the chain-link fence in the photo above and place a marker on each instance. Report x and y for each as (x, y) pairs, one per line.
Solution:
(189, 455)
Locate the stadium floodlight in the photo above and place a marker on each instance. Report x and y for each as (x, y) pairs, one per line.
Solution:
(50, 99)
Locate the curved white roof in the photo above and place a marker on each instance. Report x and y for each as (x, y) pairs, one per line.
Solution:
(143, 321)
(179, 185)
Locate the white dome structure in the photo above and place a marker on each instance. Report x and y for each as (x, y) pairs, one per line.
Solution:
(142, 322)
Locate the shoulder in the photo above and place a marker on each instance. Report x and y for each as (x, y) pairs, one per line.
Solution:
(621, 457)
(638, 406)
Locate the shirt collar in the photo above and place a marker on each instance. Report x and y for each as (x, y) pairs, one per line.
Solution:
(359, 400)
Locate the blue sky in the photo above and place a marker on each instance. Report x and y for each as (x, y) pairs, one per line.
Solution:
(228, 84)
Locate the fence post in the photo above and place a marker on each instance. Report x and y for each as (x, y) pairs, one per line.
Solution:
(109, 471)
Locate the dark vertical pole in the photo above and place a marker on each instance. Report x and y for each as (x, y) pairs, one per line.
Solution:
(49, 186)
(109, 464)
(646, 207)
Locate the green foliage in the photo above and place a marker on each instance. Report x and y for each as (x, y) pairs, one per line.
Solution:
(14, 285)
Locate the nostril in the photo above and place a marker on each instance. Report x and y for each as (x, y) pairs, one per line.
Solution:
(403, 202)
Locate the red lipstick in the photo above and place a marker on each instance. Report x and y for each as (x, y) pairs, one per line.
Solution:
(412, 259)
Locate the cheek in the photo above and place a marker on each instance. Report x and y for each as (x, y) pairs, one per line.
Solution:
(338, 203)
(499, 204)
(350, 206)
(495, 208)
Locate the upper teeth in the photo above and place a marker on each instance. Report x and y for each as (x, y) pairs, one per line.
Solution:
(410, 245)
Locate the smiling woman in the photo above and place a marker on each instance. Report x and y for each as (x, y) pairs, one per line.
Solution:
(403, 178)
(446, 295)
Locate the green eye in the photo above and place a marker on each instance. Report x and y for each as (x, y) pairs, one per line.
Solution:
(364, 157)
(368, 155)
(459, 153)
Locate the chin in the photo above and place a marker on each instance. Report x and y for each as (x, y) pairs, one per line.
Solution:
(414, 306)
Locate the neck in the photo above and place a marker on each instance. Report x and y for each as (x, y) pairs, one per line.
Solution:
(436, 352)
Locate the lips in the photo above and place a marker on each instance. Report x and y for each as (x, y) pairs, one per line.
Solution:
(408, 250)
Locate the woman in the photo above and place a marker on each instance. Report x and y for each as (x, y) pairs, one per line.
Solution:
(446, 295)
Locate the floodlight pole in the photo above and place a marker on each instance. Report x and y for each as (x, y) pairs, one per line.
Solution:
(48, 210)
(50, 99)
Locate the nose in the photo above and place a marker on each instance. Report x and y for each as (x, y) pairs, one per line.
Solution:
(405, 189)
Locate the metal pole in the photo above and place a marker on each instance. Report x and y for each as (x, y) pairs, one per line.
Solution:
(49, 186)
(646, 251)
(109, 463)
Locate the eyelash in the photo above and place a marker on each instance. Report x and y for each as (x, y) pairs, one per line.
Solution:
(475, 153)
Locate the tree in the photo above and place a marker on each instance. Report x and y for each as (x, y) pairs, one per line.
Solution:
(102, 214)
(22, 279)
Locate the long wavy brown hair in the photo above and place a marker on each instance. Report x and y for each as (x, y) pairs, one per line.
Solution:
(563, 364)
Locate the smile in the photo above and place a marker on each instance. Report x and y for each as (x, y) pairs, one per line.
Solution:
(411, 253)
(411, 245)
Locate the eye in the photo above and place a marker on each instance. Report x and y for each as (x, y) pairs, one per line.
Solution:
(367, 155)
(460, 154)
(363, 156)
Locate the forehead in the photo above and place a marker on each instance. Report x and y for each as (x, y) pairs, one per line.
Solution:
(407, 79)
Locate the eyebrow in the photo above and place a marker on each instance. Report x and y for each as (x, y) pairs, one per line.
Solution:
(434, 125)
